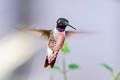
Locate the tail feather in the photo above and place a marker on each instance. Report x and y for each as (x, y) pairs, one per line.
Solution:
(51, 64)
(46, 62)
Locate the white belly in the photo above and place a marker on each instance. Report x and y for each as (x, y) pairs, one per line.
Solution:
(56, 33)
(49, 52)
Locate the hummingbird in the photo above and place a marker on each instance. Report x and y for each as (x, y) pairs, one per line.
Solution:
(56, 38)
(56, 41)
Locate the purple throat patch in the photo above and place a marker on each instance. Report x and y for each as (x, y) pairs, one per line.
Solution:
(59, 29)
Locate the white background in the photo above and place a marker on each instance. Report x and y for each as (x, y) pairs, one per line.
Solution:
(101, 16)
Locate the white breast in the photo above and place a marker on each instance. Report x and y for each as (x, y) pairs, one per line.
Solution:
(56, 32)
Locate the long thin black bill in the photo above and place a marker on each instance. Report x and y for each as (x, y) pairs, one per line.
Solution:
(71, 26)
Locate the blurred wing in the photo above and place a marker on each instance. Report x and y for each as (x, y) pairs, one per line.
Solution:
(42, 33)
(74, 34)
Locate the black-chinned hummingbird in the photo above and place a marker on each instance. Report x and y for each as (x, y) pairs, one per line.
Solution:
(56, 41)
(56, 38)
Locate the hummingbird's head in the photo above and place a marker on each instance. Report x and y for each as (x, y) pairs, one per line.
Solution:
(62, 23)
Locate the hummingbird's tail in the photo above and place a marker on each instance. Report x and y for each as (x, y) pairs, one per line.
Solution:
(47, 63)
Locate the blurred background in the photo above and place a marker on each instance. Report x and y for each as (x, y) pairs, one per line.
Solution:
(88, 51)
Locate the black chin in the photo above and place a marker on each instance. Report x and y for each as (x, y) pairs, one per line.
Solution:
(62, 26)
